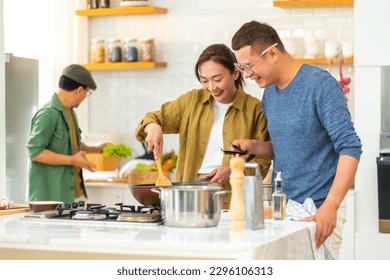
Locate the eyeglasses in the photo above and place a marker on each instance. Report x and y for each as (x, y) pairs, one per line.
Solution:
(247, 67)
(89, 92)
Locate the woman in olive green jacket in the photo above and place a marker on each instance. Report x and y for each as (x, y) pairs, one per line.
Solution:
(207, 119)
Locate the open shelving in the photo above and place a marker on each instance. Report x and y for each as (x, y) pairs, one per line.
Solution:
(324, 60)
(124, 65)
(312, 3)
(140, 10)
(123, 11)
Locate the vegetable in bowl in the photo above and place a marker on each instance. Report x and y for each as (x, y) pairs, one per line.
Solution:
(168, 163)
(117, 150)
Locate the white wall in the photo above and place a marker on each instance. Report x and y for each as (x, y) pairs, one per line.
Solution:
(2, 106)
(24, 40)
(371, 32)
(371, 52)
(123, 97)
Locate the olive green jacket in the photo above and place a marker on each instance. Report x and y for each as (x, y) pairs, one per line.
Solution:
(50, 130)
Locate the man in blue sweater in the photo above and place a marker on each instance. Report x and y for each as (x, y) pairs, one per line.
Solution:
(313, 141)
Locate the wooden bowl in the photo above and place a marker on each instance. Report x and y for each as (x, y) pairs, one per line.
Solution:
(40, 206)
(103, 163)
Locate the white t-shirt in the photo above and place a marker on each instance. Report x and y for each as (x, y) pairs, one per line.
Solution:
(213, 155)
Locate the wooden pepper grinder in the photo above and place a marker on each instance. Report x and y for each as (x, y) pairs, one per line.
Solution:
(237, 207)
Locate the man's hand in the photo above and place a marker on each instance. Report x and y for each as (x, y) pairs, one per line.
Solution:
(255, 147)
(326, 219)
(79, 160)
(93, 149)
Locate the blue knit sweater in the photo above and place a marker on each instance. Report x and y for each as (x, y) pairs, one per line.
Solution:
(310, 127)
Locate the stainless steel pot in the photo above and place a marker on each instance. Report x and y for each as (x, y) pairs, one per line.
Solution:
(143, 192)
(191, 206)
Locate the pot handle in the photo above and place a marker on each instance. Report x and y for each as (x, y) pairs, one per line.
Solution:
(221, 192)
(155, 190)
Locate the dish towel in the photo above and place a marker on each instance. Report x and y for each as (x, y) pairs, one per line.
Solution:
(296, 211)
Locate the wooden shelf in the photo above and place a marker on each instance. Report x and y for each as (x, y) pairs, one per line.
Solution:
(124, 65)
(122, 11)
(324, 60)
(312, 3)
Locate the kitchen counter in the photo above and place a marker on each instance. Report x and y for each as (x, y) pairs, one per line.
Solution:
(26, 238)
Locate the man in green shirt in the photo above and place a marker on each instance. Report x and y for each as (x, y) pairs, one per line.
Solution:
(55, 150)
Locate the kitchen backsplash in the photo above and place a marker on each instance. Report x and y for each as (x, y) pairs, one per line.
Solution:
(123, 97)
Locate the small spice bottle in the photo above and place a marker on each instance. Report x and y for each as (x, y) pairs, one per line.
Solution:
(104, 4)
(148, 50)
(130, 50)
(93, 4)
(97, 51)
(114, 50)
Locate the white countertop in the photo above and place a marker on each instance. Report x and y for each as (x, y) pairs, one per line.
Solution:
(21, 237)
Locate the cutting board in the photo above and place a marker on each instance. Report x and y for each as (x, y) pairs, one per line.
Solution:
(19, 209)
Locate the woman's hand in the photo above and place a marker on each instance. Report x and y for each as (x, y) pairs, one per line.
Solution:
(219, 175)
(154, 139)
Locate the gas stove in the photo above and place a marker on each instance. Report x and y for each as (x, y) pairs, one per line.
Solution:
(92, 212)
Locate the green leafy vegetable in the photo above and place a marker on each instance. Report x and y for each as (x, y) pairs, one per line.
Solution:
(117, 150)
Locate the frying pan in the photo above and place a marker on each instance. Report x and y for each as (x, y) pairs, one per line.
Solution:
(144, 195)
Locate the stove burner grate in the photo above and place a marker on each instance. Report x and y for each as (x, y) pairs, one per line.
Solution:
(94, 211)
(139, 217)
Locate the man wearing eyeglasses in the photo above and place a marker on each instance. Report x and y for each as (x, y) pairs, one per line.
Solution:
(313, 141)
(55, 150)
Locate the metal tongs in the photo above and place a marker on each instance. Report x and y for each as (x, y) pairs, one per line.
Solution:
(239, 151)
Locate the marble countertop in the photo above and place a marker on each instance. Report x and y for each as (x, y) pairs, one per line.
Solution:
(278, 240)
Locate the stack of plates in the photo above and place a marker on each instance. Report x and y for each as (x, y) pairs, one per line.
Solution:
(130, 3)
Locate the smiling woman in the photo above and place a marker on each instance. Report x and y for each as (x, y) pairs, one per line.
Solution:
(207, 119)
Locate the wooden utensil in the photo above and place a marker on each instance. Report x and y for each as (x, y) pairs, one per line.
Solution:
(162, 180)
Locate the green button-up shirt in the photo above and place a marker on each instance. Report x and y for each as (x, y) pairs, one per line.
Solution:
(50, 130)
(192, 114)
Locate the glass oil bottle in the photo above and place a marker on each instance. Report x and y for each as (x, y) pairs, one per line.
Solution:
(278, 199)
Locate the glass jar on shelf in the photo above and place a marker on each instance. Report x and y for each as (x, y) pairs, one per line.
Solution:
(148, 50)
(98, 51)
(114, 50)
(130, 50)
(104, 4)
(93, 4)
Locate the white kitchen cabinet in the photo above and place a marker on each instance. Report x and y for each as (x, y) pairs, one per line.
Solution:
(347, 250)
(109, 193)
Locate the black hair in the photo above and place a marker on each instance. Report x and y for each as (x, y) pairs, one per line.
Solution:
(69, 84)
(257, 35)
(221, 54)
